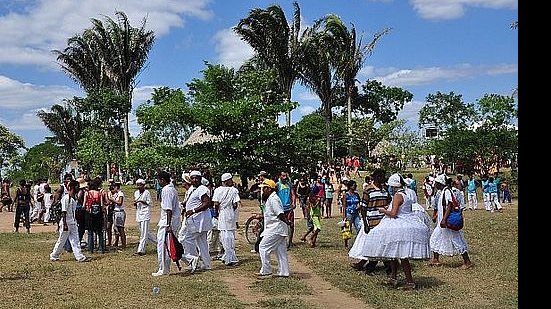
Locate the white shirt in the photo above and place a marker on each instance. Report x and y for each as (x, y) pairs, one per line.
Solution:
(201, 221)
(272, 224)
(36, 190)
(48, 200)
(169, 201)
(143, 210)
(116, 198)
(69, 204)
(227, 197)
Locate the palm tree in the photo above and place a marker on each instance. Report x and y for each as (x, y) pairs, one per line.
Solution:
(66, 124)
(110, 54)
(350, 55)
(318, 72)
(276, 43)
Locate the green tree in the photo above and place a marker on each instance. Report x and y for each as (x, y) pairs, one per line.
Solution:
(240, 110)
(44, 160)
(350, 55)
(489, 144)
(276, 44)
(65, 122)
(166, 115)
(318, 72)
(10, 143)
(446, 111)
(109, 54)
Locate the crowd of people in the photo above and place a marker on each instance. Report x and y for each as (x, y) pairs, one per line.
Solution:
(389, 223)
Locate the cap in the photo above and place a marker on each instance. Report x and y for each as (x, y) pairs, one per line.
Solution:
(140, 182)
(226, 176)
(262, 173)
(268, 183)
(441, 179)
(194, 173)
(394, 180)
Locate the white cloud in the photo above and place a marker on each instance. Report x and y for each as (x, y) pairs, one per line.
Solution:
(451, 9)
(306, 110)
(17, 95)
(28, 35)
(25, 121)
(423, 76)
(306, 96)
(231, 50)
(410, 112)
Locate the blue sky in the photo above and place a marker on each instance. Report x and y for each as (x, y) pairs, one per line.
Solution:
(465, 46)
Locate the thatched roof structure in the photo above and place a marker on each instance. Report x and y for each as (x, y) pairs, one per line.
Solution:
(198, 136)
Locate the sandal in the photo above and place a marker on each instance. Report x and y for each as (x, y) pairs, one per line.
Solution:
(408, 286)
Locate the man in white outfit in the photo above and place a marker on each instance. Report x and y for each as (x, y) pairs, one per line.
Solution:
(142, 202)
(169, 221)
(226, 199)
(68, 228)
(276, 230)
(198, 223)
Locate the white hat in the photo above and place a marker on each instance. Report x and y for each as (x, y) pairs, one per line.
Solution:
(140, 181)
(186, 178)
(226, 176)
(194, 173)
(441, 179)
(394, 180)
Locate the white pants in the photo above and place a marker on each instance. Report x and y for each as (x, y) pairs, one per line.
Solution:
(162, 252)
(473, 203)
(487, 204)
(145, 236)
(269, 244)
(36, 211)
(228, 242)
(72, 235)
(46, 215)
(494, 200)
(193, 241)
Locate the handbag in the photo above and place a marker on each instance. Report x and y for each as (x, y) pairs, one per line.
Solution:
(455, 218)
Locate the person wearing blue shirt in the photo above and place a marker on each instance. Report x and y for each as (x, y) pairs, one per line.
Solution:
(492, 190)
(471, 193)
(350, 202)
(284, 189)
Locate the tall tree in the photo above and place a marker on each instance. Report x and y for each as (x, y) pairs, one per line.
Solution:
(166, 116)
(276, 43)
(65, 122)
(109, 54)
(445, 111)
(318, 72)
(350, 55)
(10, 143)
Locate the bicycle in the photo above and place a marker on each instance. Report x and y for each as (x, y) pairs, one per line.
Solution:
(253, 227)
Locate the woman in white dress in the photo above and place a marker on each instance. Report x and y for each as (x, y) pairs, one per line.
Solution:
(401, 235)
(444, 241)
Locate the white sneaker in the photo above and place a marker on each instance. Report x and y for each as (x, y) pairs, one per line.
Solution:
(54, 259)
(158, 274)
(194, 263)
(84, 259)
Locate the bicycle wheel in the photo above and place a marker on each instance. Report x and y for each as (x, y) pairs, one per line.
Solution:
(252, 226)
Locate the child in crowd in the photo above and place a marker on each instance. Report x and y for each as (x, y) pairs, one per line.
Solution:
(346, 232)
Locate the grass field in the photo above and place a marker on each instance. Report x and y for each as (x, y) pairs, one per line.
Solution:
(119, 279)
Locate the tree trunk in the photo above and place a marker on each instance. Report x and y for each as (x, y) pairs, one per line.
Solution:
(288, 113)
(126, 151)
(328, 138)
(349, 121)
